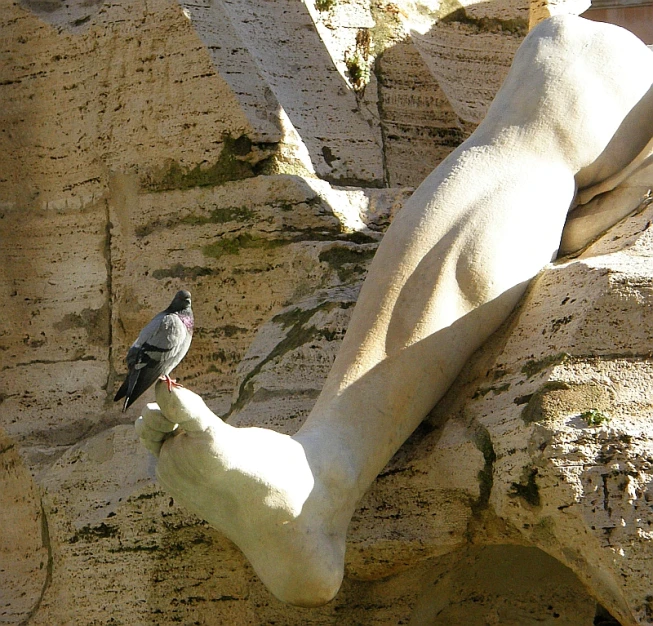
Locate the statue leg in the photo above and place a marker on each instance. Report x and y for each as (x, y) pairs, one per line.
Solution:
(449, 271)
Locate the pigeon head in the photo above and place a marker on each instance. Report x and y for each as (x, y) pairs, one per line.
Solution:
(180, 302)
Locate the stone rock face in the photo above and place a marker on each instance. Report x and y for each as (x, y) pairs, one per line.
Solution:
(419, 124)
(25, 556)
(232, 149)
(114, 97)
(541, 9)
(469, 48)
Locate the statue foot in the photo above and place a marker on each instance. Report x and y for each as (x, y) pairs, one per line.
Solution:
(255, 485)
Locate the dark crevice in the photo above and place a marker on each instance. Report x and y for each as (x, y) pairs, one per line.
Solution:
(52, 361)
(483, 442)
(45, 539)
(110, 296)
(294, 320)
(382, 127)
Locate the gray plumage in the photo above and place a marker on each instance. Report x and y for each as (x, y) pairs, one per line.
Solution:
(159, 348)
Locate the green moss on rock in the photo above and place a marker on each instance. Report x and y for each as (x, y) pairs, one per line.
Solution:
(481, 392)
(233, 245)
(181, 271)
(220, 216)
(324, 5)
(483, 442)
(532, 367)
(231, 165)
(348, 262)
(95, 533)
(594, 417)
(516, 26)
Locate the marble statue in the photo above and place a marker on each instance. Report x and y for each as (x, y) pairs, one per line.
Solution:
(575, 110)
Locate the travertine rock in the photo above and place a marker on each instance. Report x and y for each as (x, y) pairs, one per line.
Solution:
(541, 9)
(25, 556)
(149, 146)
(256, 246)
(305, 82)
(135, 91)
(469, 48)
(419, 125)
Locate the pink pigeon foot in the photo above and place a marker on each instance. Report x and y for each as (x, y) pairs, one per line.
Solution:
(170, 383)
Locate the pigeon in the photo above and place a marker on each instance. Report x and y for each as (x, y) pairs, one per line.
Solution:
(159, 348)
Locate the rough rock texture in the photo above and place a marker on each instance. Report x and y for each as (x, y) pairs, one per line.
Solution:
(418, 123)
(469, 48)
(254, 152)
(25, 555)
(541, 9)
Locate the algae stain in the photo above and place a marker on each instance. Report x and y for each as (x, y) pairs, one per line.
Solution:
(181, 271)
(481, 392)
(226, 246)
(300, 331)
(94, 533)
(349, 263)
(483, 442)
(231, 165)
(452, 13)
(324, 5)
(94, 321)
(220, 216)
(216, 216)
(527, 490)
(533, 367)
